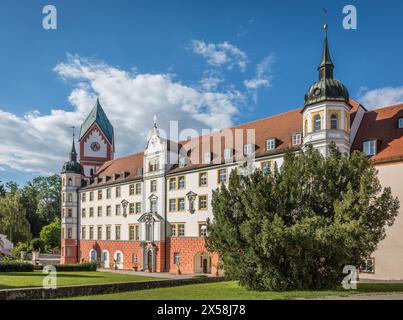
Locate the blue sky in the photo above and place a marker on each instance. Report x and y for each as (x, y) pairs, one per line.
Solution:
(39, 68)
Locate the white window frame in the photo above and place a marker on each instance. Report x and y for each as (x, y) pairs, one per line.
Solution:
(297, 139)
(369, 147)
(207, 157)
(248, 149)
(270, 144)
(227, 153)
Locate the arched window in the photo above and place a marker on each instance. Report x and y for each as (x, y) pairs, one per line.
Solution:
(317, 123)
(93, 256)
(70, 182)
(334, 121)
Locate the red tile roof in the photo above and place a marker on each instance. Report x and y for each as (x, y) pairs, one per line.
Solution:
(382, 125)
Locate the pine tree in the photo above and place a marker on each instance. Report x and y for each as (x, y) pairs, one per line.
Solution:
(299, 226)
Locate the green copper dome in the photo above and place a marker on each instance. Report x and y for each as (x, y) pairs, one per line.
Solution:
(72, 166)
(327, 88)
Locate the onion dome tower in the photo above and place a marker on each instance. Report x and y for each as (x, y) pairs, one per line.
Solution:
(326, 108)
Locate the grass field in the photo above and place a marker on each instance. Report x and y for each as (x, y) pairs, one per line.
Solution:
(230, 290)
(9, 280)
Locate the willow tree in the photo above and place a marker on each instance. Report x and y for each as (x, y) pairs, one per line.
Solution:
(297, 227)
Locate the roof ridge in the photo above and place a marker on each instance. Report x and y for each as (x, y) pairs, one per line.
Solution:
(387, 107)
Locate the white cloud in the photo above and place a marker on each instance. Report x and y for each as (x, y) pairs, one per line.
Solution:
(262, 77)
(40, 143)
(381, 97)
(221, 54)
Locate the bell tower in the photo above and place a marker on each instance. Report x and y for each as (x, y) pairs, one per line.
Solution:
(326, 109)
(72, 174)
(97, 144)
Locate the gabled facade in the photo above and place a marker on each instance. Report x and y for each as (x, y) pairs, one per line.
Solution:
(97, 144)
(148, 211)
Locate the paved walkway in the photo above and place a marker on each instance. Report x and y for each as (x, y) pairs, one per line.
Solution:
(375, 296)
(166, 275)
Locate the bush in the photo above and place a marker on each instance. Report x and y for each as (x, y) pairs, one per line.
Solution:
(16, 251)
(88, 266)
(16, 266)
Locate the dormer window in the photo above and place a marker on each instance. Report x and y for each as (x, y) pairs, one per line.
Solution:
(270, 144)
(248, 149)
(400, 123)
(207, 157)
(297, 139)
(227, 153)
(369, 147)
(182, 162)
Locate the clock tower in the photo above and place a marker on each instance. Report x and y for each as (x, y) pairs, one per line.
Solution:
(96, 139)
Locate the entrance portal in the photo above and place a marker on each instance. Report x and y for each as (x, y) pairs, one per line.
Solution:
(202, 263)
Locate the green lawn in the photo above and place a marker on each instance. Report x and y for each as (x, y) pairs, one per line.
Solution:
(230, 290)
(9, 280)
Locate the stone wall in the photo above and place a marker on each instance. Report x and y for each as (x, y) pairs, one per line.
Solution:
(87, 290)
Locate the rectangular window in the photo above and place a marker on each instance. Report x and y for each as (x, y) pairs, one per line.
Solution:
(138, 207)
(108, 232)
(181, 230)
(131, 233)
(83, 233)
(108, 211)
(99, 194)
(131, 208)
(117, 192)
(227, 153)
(400, 123)
(181, 204)
(369, 147)
(136, 232)
(83, 213)
(248, 149)
(172, 205)
(177, 258)
(91, 233)
(222, 176)
(138, 188)
(270, 144)
(202, 230)
(83, 197)
(131, 190)
(92, 196)
(117, 210)
(207, 157)
(202, 179)
(91, 212)
(99, 233)
(297, 139)
(172, 184)
(173, 230)
(69, 213)
(368, 265)
(153, 165)
(266, 167)
(181, 182)
(203, 202)
(117, 232)
(134, 258)
(99, 211)
(153, 186)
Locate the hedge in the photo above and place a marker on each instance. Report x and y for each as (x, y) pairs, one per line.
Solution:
(16, 266)
(88, 266)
